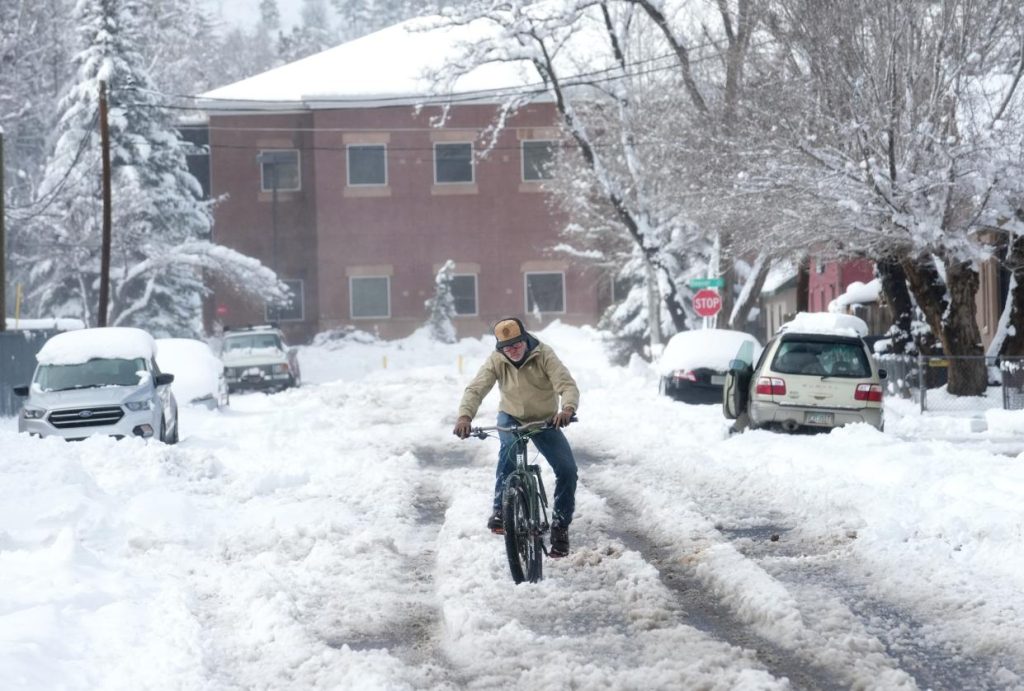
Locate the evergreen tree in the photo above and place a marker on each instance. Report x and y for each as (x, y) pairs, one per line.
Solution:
(160, 226)
(441, 307)
(312, 36)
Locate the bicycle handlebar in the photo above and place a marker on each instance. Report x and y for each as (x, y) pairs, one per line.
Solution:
(481, 432)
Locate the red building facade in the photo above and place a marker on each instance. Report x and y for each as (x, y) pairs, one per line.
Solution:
(357, 208)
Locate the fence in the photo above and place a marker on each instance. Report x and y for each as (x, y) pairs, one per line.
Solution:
(923, 378)
(17, 361)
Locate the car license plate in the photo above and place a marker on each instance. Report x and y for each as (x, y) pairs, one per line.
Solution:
(819, 418)
(718, 379)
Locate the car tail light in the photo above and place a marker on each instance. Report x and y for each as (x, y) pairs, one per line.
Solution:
(771, 386)
(281, 369)
(868, 392)
(686, 374)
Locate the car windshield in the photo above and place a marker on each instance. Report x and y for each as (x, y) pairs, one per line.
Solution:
(821, 358)
(252, 342)
(94, 373)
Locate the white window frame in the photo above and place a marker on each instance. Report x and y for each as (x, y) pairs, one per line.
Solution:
(476, 296)
(348, 165)
(300, 295)
(472, 164)
(351, 297)
(298, 170)
(526, 291)
(522, 158)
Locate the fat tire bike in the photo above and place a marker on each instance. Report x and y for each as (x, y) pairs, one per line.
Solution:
(524, 503)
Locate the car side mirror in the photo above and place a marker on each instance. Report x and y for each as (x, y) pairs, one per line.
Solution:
(882, 374)
(20, 391)
(164, 379)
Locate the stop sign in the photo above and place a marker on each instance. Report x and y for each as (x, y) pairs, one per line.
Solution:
(707, 302)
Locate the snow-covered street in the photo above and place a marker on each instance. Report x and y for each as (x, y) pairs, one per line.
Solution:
(333, 537)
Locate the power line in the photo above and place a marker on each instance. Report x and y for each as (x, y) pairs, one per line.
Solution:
(54, 192)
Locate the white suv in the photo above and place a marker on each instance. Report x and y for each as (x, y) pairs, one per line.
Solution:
(817, 373)
(257, 358)
(103, 381)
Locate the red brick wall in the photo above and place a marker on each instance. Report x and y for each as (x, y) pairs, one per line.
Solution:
(328, 231)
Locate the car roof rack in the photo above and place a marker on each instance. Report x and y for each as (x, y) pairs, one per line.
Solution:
(252, 327)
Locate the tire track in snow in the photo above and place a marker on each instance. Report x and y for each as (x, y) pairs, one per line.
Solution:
(700, 606)
(814, 566)
(414, 637)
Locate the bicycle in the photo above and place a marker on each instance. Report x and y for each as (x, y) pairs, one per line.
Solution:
(524, 503)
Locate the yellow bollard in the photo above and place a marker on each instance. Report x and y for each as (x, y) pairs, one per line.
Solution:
(460, 364)
(384, 361)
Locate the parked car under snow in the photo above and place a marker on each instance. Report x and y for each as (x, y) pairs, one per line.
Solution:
(198, 373)
(693, 366)
(102, 381)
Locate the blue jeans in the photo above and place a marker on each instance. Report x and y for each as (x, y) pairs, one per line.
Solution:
(553, 445)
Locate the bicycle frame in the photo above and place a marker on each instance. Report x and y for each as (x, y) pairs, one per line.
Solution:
(524, 504)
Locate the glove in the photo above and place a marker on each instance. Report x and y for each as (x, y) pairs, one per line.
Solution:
(564, 417)
(462, 427)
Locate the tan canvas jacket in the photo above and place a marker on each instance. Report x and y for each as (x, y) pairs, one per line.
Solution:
(529, 393)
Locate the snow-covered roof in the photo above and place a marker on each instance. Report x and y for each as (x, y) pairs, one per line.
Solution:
(42, 324)
(388, 64)
(826, 323)
(781, 273)
(857, 293)
(76, 347)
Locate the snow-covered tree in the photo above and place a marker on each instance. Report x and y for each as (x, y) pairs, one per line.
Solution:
(441, 307)
(161, 228)
(652, 103)
(313, 35)
(912, 114)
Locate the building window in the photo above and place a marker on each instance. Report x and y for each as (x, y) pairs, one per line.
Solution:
(295, 310)
(545, 292)
(538, 155)
(367, 164)
(464, 293)
(279, 169)
(453, 162)
(370, 296)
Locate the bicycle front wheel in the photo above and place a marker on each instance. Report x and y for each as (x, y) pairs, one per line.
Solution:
(522, 545)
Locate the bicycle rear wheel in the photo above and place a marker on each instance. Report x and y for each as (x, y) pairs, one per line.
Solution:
(524, 549)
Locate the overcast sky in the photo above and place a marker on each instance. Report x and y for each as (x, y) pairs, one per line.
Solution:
(247, 12)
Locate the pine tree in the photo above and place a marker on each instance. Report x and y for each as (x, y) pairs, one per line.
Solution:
(441, 307)
(160, 226)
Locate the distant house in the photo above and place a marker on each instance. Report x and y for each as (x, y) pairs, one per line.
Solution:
(335, 177)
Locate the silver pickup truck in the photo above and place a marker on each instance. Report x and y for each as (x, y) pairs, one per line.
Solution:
(257, 358)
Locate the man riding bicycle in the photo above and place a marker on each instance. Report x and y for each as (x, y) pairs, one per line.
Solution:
(531, 379)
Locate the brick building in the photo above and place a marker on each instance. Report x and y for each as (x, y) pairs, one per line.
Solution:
(338, 181)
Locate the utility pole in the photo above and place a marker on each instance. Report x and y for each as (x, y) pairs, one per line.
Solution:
(105, 251)
(3, 246)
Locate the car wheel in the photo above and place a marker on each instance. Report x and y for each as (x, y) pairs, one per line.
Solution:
(174, 435)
